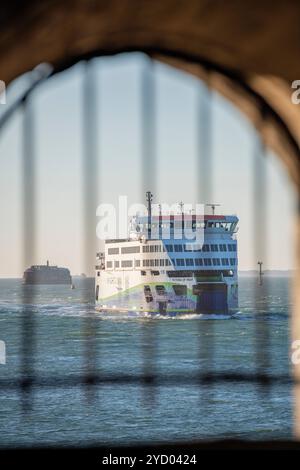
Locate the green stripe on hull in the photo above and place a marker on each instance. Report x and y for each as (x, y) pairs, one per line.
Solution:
(140, 287)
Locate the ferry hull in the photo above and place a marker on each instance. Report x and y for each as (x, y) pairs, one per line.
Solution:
(208, 298)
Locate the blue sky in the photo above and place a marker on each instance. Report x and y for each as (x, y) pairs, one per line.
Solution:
(59, 150)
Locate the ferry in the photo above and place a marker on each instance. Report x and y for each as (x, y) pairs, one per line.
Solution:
(159, 269)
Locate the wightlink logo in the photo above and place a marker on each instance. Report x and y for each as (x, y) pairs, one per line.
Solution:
(2, 353)
(178, 221)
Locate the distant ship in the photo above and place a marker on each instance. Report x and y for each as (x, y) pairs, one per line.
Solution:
(170, 273)
(46, 274)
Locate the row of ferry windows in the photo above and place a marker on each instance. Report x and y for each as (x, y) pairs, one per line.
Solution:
(188, 224)
(179, 262)
(205, 262)
(204, 248)
(137, 263)
(177, 248)
(135, 249)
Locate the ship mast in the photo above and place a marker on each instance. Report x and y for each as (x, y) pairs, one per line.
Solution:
(181, 206)
(149, 198)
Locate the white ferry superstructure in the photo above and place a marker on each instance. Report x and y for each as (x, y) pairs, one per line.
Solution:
(170, 274)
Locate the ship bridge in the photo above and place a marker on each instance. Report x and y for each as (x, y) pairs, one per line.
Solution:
(183, 225)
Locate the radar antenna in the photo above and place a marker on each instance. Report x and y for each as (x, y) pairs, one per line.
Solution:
(213, 207)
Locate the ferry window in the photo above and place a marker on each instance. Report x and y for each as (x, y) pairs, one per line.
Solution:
(97, 292)
(156, 262)
(151, 262)
(161, 262)
(160, 290)
(113, 251)
(205, 247)
(168, 262)
(117, 264)
(178, 248)
(155, 273)
(198, 261)
(232, 261)
(214, 247)
(148, 294)
(229, 247)
(143, 273)
(216, 262)
(189, 262)
(233, 247)
(179, 289)
(109, 264)
(207, 262)
(169, 248)
(225, 262)
(137, 262)
(126, 264)
(98, 273)
(223, 247)
(180, 262)
(145, 249)
(130, 249)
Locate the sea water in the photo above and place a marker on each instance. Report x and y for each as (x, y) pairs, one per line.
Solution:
(130, 344)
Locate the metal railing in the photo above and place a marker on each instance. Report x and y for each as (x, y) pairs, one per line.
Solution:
(149, 379)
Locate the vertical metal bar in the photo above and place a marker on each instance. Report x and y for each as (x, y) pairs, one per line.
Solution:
(149, 167)
(29, 241)
(295, 324)
(89, 188)
(204, 146)
(260, 244)
(149, 163)
(205, 194)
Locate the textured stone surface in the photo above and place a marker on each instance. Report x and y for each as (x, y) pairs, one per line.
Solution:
(258, 41)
